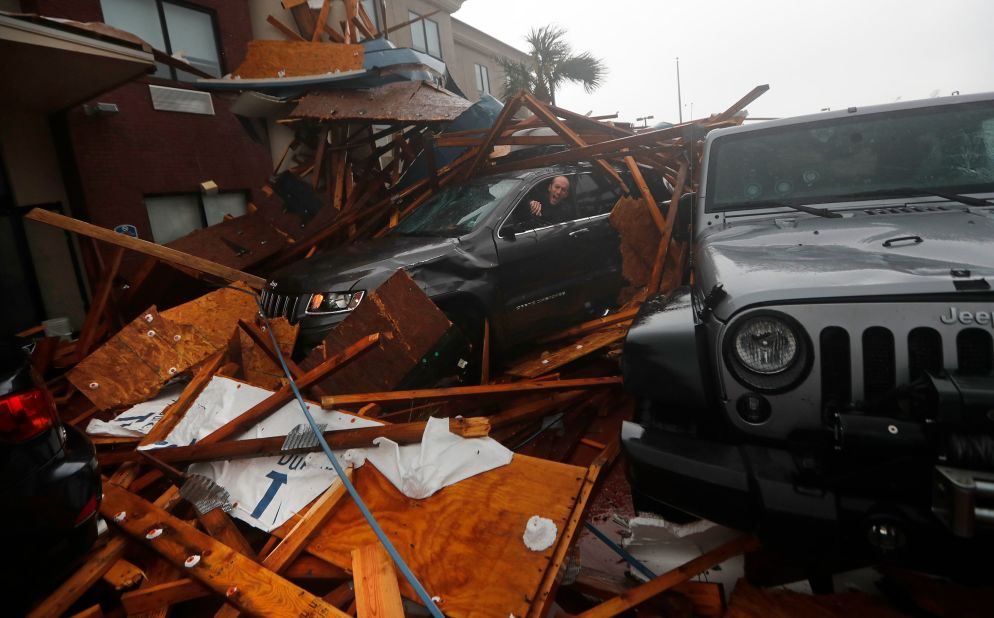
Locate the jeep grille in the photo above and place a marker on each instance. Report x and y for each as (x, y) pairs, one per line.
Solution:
(877, 347)
(280, 305)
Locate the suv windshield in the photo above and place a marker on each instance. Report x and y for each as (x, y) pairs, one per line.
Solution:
(947, 148)
(457, 210)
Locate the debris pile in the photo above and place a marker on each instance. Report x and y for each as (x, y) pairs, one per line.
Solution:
(222, 495)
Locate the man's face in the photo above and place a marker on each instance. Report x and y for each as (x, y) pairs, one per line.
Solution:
(558, 190)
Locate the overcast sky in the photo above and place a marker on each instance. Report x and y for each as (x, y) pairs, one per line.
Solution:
(833, 54)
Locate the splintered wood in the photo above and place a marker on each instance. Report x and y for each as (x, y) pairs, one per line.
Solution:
(399, 307)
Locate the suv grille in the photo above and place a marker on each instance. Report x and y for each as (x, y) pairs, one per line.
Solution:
(280, 305)
(974, 356)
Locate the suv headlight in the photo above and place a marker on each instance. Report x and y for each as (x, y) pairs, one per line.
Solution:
(768, 351)
(334, 302)
(765, 345)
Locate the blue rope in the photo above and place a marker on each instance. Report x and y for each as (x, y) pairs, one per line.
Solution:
(408, 574)
(621, 551)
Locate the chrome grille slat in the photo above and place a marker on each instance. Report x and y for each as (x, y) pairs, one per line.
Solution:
(280, 305)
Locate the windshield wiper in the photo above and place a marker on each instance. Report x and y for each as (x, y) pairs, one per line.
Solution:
(912, 191)
(811, 210)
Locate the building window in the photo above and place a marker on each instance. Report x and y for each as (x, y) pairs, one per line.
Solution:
(482, 79)
(424, 35)
(179, 29)
(175, 216)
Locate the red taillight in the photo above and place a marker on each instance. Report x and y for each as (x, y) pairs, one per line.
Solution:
(24, 415)
(91, 506)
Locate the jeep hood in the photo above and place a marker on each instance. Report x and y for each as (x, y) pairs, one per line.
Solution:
(369, 264)
(822, 258)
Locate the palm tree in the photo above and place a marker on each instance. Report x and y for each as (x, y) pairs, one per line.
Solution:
(551, 63)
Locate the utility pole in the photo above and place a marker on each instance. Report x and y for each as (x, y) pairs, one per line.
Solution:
(679, 98)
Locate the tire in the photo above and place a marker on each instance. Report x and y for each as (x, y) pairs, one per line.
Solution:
(469, 322)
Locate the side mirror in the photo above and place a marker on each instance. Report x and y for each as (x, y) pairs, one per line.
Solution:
(685, 207)
(507, 232)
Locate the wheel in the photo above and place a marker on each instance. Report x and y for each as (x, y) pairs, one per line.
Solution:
(468, 322)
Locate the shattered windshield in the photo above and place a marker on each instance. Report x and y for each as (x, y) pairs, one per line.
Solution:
(948, 148)
(457, 210)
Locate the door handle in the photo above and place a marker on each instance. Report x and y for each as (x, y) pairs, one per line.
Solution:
(579, 232)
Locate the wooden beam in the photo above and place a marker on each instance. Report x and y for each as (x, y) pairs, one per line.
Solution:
(98, 562)
(401, 433)
(650, 201)
(664, 582)
(511, 106)
(739, 105)
(175, 411)
(87, 334)
(151, 598)
(407, 23)
(591, 326)
(671, 216)
(165, 254)
(348, 30)
(377, 594)
(285, 30)
(322, 19)
(237, 579)
(464, 391)
(485, 354)
(275, 401)
(569, 135)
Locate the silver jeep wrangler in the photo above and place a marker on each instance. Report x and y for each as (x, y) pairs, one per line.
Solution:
(826, 380)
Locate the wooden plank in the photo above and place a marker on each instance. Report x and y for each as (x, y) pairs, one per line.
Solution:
(98, 562)
(175, 411)
(682, 573)
(545, 362)
(162, 595)
(322, 19)
(377, 594)
(158, 571)
(144, 247)
(240, 581)
(639, 239)
(396, 27)
(285, 30)
(739, 105)
(349, 30)
(275, 401)
(463, 391)
(93, 611)
(122, 574)
(485, 353)
(480, 155)
(749, 601)
(650, 201)
(402, 433)
(591, 326)
(671, 216)
(88, 333)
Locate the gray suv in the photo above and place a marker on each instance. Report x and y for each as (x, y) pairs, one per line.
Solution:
(827, 380)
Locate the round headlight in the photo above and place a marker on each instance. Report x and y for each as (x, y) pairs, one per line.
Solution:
(766, 345)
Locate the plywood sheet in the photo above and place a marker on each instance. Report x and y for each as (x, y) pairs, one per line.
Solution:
(271, 59)
(398, 307)
(216, 314)
(465, 542)
(257, 367)
(640, 239)
(136, 362)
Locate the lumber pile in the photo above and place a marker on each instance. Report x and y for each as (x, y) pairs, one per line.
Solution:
(360, 161)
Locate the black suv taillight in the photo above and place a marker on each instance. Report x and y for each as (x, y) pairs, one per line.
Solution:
(25, 415)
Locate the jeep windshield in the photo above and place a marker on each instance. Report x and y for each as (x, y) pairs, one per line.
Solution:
(458, 209)
(946, 150)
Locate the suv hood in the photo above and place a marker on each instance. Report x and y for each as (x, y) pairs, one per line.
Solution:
(821, 258)
(369, 262)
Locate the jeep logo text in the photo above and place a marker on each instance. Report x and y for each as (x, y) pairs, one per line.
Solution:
(982, 318)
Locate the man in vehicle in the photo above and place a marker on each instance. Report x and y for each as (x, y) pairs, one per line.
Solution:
(558, 191)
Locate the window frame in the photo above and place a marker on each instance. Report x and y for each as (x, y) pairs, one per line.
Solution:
(424, 31)
(482, 74)
(160, 13)
(245, 193)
